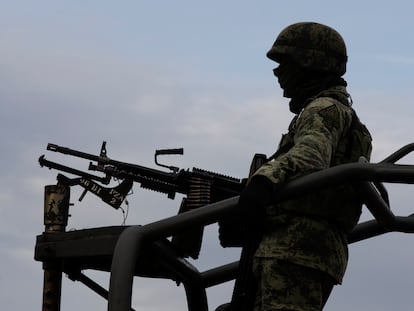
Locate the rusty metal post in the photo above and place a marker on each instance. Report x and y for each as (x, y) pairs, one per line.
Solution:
(56, 213)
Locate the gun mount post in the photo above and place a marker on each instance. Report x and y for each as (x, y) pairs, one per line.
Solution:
(56, 213)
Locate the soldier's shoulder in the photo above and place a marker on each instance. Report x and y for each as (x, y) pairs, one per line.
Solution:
(328, 107)
(329, 111)
(321, 103)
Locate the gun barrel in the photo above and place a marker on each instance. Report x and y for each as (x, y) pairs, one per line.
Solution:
(170, 183)
(49, 164)
(72, 152)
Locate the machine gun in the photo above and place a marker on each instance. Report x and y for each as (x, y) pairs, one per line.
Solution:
(199, 186)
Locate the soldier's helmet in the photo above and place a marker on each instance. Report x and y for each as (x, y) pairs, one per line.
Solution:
(313, 46)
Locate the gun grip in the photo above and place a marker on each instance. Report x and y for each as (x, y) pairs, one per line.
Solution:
(258, 160)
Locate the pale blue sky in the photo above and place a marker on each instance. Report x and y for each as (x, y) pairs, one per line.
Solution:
(156, 74)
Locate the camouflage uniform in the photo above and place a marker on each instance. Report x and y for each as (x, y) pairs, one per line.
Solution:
(287, 286)
(303, 251)
(307, 235)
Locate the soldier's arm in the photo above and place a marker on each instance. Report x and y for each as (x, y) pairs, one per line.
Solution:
(318, 130)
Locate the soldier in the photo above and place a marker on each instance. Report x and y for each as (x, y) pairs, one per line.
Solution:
(303, 252)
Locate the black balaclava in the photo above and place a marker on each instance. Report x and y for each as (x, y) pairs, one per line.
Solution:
(301, 84)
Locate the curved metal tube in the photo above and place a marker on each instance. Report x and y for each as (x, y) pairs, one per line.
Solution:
(131, 240)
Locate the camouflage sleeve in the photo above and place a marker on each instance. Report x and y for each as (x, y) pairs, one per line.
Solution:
(318, 130)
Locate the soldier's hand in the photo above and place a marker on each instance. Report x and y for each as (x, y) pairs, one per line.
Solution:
(254, 198)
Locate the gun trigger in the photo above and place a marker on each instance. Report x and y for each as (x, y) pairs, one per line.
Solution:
(83, 194)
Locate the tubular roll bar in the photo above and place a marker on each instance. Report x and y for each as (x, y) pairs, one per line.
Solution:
(365, 176)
